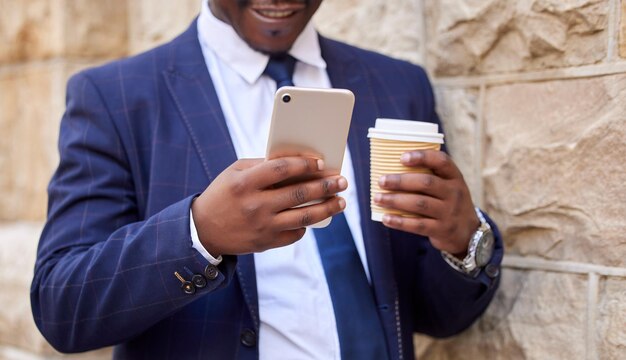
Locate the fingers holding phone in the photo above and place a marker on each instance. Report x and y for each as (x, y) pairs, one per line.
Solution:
(243, 210)
(256, 205)
(311, 122)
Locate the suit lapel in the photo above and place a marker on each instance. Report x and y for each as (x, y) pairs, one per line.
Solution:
(345, 71)
(194, 96)
(192, 90)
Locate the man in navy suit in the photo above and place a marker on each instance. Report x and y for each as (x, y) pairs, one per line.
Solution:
(168, 237)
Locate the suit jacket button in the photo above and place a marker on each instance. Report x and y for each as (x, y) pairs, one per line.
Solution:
(492, 270)
(188, 288)
(211, 272)
(248, 338)
(199, 281)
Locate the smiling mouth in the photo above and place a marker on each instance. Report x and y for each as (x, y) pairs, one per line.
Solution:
(278, 11)
(275, 14)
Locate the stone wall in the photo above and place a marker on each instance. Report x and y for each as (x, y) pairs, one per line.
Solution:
(45, 42)
(545, 80)
(532, 94)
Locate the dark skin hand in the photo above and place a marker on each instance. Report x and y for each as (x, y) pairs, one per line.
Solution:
(243, 211)
(442, 199)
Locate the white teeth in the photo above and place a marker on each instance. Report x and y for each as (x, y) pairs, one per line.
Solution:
(276, 14)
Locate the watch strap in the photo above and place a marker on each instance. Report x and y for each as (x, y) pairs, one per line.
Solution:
(453, 261)
(460, 264)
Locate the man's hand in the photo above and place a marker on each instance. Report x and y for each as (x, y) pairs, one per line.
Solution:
(441, 200)
(243, 210)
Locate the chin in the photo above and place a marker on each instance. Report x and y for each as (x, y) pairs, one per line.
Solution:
(271, 46)
(273, 51)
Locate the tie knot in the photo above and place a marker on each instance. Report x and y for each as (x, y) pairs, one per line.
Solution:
(280, 69)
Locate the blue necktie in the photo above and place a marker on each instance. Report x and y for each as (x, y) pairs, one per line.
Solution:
(280, 68)
(361, 335)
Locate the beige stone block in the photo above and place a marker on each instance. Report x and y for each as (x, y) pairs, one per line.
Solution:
(95, 29)
(393, 27)
(18, 245)
(29, 30)
(611, 335)
(43, 29)
(554, 177)
(547, 319)
(422, 344)
(470, 37)
(458, 110)
(534, 315)
(19, 336)
(13, 353)
(32, 103)
(30, 115)
(153, 22)
(622, 30)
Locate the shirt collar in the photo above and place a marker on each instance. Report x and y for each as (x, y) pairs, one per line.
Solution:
(222, 39)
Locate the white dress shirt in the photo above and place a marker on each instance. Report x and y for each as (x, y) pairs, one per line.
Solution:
(295, 308)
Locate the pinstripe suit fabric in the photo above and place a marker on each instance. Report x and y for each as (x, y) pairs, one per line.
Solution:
(139, 139)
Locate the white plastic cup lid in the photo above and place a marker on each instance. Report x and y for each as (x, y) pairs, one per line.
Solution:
(406, 130)
(406, 126)
(405, 136)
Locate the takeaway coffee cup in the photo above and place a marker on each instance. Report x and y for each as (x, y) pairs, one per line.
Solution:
(389, 139)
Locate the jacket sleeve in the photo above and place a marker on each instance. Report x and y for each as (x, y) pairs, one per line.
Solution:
(103, 273)
(446, 301)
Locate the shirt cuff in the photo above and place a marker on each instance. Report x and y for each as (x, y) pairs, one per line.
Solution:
(195, 240)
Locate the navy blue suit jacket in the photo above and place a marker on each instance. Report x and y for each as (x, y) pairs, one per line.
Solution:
(139, 139)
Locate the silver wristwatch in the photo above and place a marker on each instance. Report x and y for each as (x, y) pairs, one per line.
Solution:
(479, 250)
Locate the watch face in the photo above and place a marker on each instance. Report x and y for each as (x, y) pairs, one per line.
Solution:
(485, 248)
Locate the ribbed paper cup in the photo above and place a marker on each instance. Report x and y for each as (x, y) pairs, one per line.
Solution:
(389, 139)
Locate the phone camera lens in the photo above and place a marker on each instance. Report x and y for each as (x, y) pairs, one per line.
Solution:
(286, 98)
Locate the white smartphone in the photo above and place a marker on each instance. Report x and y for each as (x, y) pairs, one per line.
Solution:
(311, 122)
